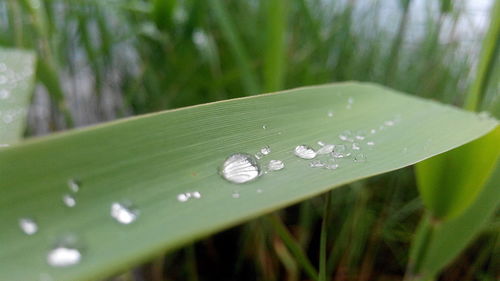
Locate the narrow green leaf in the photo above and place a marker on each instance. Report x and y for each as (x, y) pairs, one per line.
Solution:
(275, 51)
(16, 85)
(150, 160)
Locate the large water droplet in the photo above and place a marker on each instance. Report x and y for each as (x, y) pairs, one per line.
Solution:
(305, 152)
(28, 226)
(275, 165)
(123, 213)
(63, 256)
(73, 185)
(69, 200)
(240, 168)
(265, 150)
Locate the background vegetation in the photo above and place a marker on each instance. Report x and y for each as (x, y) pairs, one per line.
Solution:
(101, 60)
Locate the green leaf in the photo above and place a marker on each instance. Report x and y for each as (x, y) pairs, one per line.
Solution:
(149, 160)
(450, 182)
(16, 82)
(451, 237)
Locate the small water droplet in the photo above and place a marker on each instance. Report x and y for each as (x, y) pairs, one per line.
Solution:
(259, 190)
(182, 197)
(73, 185)
(360, 135)
(4, 94)
(327, 148)
(373, 131)
(240, 168)
(3, 79)
(28, 226)
(370, 143)
(360, 157)
(355, 146)
(275, 165)
(305, 152)
(235, 195)
(346, 136)
(265, 150)
(330, 114)
(350, 100)
(320, 143)
(63, 256)
(316, 164)
(389, 123)
(69, 200)
(123, 213)
(264, 126)
(258, 155)
(405, 149)
(331, 166)
(196, 194)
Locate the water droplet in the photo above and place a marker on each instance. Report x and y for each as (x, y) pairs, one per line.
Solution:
(196, 194)
(327, 148)
(389, 123)
(360, 157)
(182, 197)
(235, 195)
(28, 226)
(123, 213)
(350, 100)
(259, 190)
(373, 131)
(405, 149)
(8, 118)
(355, 146)
(4, 94)
(264, 126)
(330, 114)
(305, 152)
(240, 168)
(258, 155)
(320, 143)
(69, 200)
(200, 38)
(346, 136)
(275, 165)
(3, 67)
(63, 256)
(265, 150)
(360, 135)
(73, 185)
(331, 166)
(316, 164)
(3, 79)
(370, 143)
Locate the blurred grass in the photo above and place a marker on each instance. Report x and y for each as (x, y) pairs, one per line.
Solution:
(101, 60)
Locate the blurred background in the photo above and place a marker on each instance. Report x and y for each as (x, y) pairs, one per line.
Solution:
(105, 59)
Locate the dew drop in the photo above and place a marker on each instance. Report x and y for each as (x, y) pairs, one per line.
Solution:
(389, 123)
(182, 197)
(332, 166)
(316, 164)
(355, 146)
(265, 150)
(321, 143)
(63, 256)
(275, 165)
(330, 114)
(346, 136)
(123, 213)
(373, 131)
(259, 190)
(4, 94)
(196, 194)
(69, 200)
(305, 152)
(73, 185)
(360, 157)
(240, 168)
(28, 226)
(370, 143)
(327, 148)
(264, 126)
(235, 195)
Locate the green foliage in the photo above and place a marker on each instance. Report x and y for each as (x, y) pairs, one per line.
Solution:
(150, 160)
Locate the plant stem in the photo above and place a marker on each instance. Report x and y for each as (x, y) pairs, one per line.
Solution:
(293, 246)
(323, 238)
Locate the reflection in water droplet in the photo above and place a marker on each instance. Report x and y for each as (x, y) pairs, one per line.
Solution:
(4, 94)
(360, 157)
(73, 185)
(275, 165)
(63, 256)
(305, 152)
(123, 213)
(327, 148)
(69, 200)
(265, 150)
(240, 168)
(28, 226)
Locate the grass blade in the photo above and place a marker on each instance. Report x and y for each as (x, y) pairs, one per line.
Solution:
(150, 160)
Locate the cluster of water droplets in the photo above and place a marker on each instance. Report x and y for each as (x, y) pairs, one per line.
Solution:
(186, 196)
